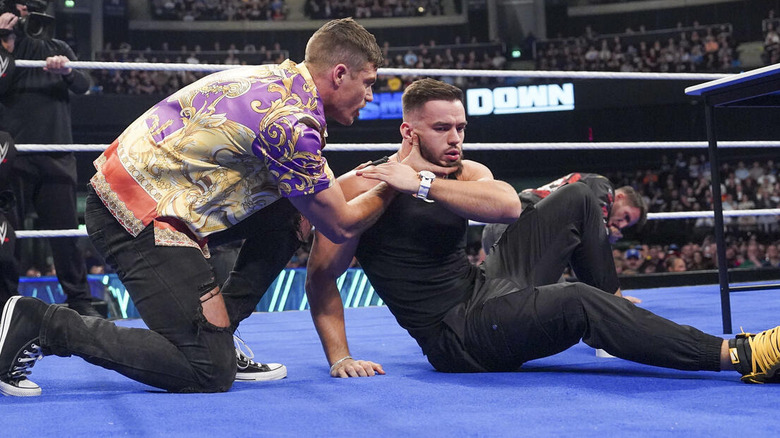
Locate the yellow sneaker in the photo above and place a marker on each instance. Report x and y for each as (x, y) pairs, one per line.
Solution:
(757, 357)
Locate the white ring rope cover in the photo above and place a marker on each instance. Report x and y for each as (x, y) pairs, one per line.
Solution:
(650, 216)
(348, 147)
(99, 65)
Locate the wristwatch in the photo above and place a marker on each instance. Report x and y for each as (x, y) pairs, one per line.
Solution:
(426, 178)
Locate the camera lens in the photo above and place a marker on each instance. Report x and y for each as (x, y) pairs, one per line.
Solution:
(33, 28)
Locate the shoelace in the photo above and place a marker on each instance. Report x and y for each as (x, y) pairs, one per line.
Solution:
(765, 348)
(243, 356)
(27, 360)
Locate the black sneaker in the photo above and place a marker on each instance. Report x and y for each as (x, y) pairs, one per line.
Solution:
(249, 370)
(19, 347)
(757, 357)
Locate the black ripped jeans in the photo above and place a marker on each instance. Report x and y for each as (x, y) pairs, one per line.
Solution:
(181, 351)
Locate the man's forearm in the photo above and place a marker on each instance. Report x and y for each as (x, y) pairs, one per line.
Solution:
(327, 312)
(488, 201)
(339, 220)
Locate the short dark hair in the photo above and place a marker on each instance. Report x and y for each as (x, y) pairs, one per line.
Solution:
(636, 200)
(343, 41)
(421, 91)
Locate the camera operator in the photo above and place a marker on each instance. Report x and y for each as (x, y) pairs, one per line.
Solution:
(36, 110)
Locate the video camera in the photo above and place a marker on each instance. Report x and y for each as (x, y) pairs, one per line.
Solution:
(37, 24)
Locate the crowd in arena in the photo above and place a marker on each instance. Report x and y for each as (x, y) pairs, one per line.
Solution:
(256, 10)
(770, 26)
(327, 9)
(472, 56)
(683, 184)
(692, 256)
(219, 10)
(694, 49)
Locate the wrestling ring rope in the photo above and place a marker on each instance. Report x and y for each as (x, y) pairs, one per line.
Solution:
(96, 65)
(40, 148)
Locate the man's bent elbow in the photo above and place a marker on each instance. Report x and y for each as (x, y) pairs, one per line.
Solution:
(338, 235)
(512, 212)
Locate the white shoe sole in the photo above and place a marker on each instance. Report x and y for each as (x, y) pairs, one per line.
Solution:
(278, 372)
(603, 354)
(26, 388)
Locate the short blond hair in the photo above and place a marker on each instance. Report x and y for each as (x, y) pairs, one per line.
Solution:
(343, 41)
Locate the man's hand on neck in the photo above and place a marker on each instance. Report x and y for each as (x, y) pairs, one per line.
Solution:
(410, 155)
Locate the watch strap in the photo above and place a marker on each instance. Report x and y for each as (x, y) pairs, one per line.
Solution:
(425, 187)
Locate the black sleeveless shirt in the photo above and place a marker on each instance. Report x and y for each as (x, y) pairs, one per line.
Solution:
(415, 258)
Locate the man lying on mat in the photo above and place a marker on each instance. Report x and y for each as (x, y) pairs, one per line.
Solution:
(621, 208)
(509, 310)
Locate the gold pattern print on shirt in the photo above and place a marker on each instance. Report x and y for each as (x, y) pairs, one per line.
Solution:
(216, 140)
(209, 156)
(289, 113)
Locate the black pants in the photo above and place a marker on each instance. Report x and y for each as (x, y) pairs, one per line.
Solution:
(47, 182)
(518, 313)
(270, 238)
(9, 268)
(181, 351)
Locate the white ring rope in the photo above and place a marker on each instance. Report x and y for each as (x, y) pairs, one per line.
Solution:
(698, 214)
(61, 147)
(650, 216)
(21, 234)
(466, 146)
(551, 74)
(99, 65)
(710, 214)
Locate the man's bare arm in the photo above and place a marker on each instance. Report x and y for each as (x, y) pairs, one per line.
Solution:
(474, 195)
(478, 196)
(339, 220)
(327, 261)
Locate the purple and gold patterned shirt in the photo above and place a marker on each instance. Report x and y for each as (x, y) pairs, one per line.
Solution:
(215, 152)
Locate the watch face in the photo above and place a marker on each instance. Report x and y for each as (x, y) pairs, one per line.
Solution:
(427, 174)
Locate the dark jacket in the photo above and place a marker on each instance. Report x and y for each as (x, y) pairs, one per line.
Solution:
(36, 103)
